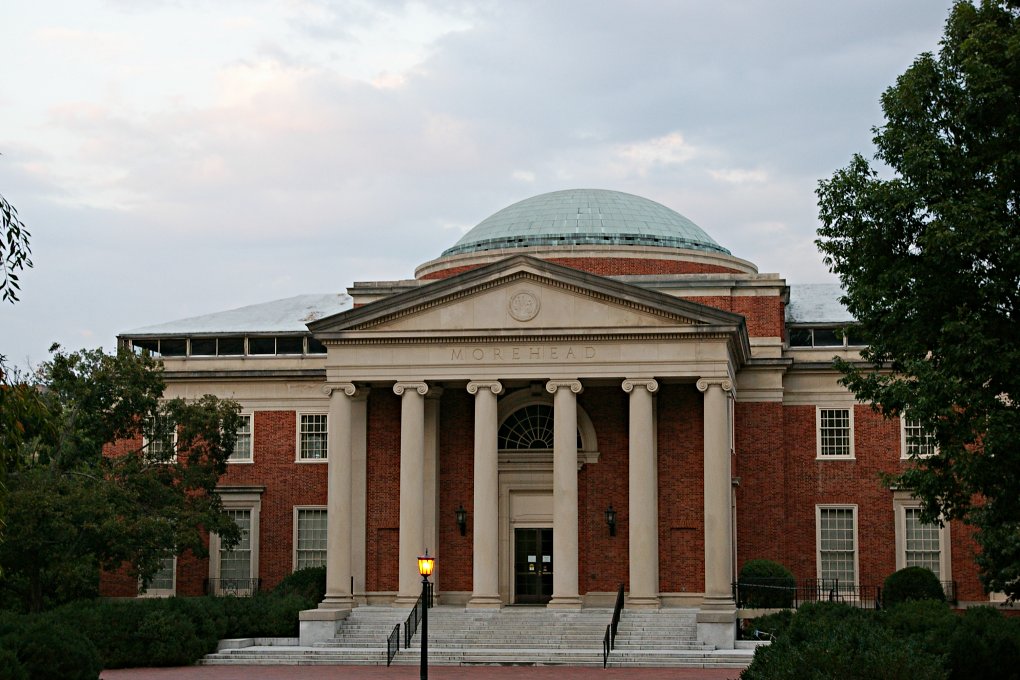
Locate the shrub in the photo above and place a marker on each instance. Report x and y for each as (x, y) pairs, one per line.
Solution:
(309, 583)
(775, 623)
(912, 583)
(929, 623)
(50, 649)
(10, 667)
(985, 644)
(167, 638)
(837, 641)
(766, 584)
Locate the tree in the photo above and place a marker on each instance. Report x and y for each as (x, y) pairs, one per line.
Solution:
(928, 251)
(15, 253)
(110, 473)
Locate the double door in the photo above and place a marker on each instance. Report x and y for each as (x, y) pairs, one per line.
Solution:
(533, 566)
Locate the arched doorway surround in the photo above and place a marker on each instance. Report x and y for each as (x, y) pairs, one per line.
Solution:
(525, 470)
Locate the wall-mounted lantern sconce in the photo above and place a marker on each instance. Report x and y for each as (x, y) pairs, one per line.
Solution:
(611, 519)
(462, 519)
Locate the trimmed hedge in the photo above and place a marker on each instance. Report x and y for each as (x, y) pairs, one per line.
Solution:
(915, 639)
(137, 633)
(912, 583)
(765, 584)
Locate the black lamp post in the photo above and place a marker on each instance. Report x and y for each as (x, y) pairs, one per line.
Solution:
(611, 519)
(462, 519)
(425, 566)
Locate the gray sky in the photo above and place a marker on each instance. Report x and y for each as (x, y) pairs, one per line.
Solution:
(178, 157)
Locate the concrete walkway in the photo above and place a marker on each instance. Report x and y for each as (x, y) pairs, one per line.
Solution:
(408, 673)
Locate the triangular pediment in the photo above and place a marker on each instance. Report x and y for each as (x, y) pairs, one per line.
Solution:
(524, 295)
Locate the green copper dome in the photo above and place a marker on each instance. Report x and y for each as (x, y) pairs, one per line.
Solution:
(577, 217)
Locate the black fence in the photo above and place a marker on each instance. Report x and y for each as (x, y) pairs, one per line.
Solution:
(238, 587)
(783, 593)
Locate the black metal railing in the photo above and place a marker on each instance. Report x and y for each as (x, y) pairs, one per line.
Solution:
(238, 587)
(783, 593)
(610, 638)
(414, 618)
(393, 644)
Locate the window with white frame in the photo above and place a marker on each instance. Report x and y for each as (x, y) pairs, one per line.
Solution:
(159, 440)
(236, 571)
(242, 444)
(312, 436)
(915, 441)
(235, 563)
(164, 581)
(835, 432)
(837, 543)
(920, 543)
(309, 537)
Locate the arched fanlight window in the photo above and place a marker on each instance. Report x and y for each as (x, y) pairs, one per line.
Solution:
(529, 428)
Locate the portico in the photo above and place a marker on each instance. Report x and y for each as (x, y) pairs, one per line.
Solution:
(527, 331)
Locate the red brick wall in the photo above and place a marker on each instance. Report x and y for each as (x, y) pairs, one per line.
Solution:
(681, 487)
(456, 486)
(602, 559)
(759, 463)
(764, 314)
(286, 483)
(383, 497)
(810, 482)
(611, 266)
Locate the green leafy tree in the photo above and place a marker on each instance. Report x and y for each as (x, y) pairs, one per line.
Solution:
(15, 253)
(71, 509)
(927, 246)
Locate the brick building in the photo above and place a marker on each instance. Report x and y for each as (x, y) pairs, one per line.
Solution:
(578, 357)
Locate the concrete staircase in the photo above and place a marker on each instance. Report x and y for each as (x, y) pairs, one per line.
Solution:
(510, 636)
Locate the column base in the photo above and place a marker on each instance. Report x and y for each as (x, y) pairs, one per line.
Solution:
(484, 602)
(405, 601)
(337, 602)
(638, 602)
(567, 602)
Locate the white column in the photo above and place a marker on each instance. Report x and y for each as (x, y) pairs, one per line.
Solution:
(715, 620)
(485, 530)
(431, 530)
(412, 488)
(565, 595)
(643, 493)
(338, 504)
(359, 492)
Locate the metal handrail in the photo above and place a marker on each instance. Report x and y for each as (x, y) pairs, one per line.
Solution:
(609, 640)
(393, 644)
(414, 618)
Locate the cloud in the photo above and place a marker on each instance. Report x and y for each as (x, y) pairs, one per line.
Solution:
(738, 176)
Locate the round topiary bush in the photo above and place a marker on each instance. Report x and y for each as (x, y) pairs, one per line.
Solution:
(766, 584)
(912, 583)
(309, 583)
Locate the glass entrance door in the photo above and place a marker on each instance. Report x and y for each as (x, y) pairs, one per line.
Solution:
(533, 566)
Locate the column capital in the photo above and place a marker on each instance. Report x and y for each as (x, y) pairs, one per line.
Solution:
(724, 383)
(495, 386)
(419, 387)
(573, 385)
(649, 384)
(350, 389)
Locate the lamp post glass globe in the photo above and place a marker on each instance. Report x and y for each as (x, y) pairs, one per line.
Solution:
(426, 564)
